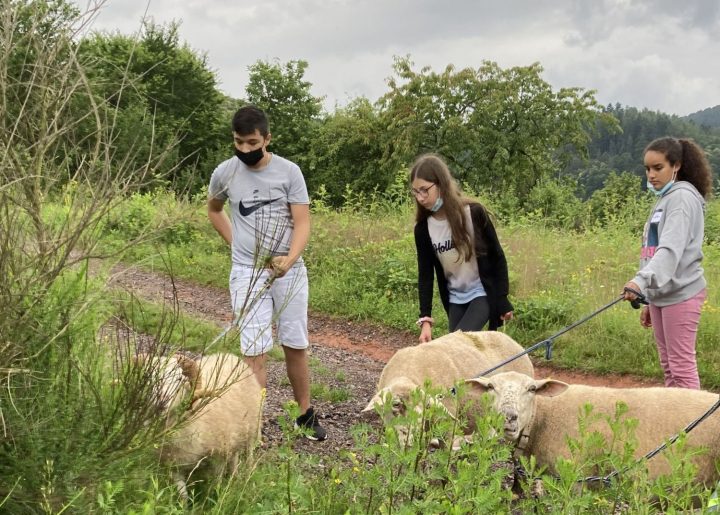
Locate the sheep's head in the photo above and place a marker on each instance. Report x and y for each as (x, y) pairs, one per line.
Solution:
(399, 395)
(513, 396)
(172, 377)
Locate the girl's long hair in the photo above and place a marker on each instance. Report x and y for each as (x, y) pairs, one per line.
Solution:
(694, 166)
(432, 168)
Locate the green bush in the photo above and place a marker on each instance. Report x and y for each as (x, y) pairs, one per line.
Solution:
(555, 204)
(72, 427)
(539, 317)
(621, 201)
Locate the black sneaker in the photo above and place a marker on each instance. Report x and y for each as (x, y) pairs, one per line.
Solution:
(310, 421)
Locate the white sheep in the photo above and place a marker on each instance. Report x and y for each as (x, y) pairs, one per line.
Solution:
(444, 361)
(541, 414)
(214, 408)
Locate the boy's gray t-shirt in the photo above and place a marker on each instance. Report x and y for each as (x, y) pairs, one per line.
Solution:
(259, 202)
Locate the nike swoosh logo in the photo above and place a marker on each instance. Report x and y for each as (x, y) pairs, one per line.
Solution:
(247, 211)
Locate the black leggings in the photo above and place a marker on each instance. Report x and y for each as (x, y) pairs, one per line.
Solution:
(471, 316)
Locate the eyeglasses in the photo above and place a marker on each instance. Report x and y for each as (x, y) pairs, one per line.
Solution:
(421, 192)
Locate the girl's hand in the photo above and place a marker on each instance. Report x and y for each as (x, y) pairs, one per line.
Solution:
(507, 316)
(628, 294)
(645, 317)
(426, 332)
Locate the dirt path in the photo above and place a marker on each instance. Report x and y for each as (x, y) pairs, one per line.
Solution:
(350, 355)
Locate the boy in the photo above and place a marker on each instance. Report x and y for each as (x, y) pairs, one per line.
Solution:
(268, 228)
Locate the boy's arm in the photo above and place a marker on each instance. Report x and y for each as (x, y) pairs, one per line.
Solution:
(300, 214)
(219, 219)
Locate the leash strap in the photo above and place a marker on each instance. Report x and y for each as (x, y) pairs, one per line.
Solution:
(548, 342)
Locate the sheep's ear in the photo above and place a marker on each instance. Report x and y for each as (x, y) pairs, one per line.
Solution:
(478, 384)
(550, 387)
(200, 394)
(435, 401)
(369, 412)
(190, 369)
(375, 401)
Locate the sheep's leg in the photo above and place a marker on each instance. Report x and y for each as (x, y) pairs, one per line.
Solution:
(234, 461)
(180, 484)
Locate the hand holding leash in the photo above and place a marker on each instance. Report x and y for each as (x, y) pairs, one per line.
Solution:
(631, 292)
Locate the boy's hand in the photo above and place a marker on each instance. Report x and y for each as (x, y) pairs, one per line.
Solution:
(280, 265)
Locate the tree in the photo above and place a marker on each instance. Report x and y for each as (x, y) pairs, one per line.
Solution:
(709, 117)
(346, 152)
(498, 128)
(158, 82)
(294, 113)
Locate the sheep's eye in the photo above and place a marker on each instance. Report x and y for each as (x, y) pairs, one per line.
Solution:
(532, 388)
(490, 386)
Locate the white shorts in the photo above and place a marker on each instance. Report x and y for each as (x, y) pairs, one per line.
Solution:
(257, 306)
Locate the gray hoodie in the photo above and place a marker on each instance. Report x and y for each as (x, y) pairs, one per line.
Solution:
(671, 254)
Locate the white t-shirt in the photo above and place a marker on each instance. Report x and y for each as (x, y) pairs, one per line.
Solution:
(463, 278)
(259, 203)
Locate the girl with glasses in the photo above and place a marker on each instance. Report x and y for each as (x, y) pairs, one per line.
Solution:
(457, 243)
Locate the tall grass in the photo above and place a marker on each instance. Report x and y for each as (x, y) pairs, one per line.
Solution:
(362, 265)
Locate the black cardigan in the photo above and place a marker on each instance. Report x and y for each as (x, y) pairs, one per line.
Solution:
(492, 267)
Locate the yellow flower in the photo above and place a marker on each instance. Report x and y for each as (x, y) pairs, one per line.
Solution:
(338, 481)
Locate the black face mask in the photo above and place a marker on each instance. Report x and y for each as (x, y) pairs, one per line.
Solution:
(250, 158)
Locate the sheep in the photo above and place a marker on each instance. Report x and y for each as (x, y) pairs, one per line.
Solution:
(213, 409)
(444, 361)
(541, 414)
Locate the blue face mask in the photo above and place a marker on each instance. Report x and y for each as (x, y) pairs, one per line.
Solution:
(661, 191)
(437, 205)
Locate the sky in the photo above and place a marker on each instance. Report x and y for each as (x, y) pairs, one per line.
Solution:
(663, 55)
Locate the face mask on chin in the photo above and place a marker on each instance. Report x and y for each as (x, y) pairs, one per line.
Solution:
(250, 158)
(437, 205)
(661, 191)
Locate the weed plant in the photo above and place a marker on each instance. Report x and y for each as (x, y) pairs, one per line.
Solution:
(386, 472)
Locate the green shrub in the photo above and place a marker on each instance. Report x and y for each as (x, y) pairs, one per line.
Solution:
(621, 201)
(539, 317)
(555, 204)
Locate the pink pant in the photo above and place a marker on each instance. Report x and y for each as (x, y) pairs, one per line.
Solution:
(675, 330)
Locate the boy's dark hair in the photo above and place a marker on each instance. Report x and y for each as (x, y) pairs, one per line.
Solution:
(247, 119)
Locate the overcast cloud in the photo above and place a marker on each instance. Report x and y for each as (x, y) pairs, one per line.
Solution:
(660, 54)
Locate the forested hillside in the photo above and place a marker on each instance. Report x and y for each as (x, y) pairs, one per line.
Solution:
(619, 149)
(709, 117)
